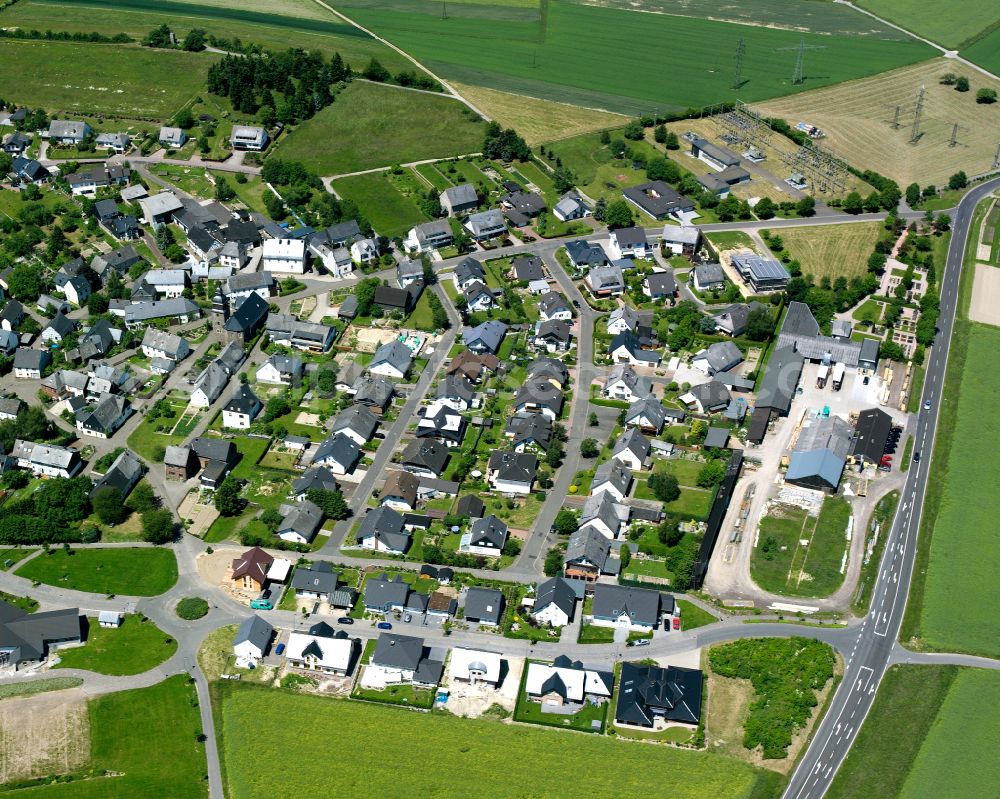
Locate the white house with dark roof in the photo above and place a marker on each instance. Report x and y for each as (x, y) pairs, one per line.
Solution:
(625, 384)
(338, 453)
(172, 137)
(720, 356)
(248, 137)
(486, 225)
(459, 199)
(280, 370)
(602, 513)
(605, 281)
(555, 601)
(104, 419)
(161, 344)
(629, 242)
(612, 477)
(512, 472)
(242, 409)
(46, 460)
(429, 236)
(392, 360)
(486, 537)
(570, 207)
(553, 305)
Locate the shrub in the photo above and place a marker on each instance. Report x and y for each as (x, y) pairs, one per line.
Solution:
(192, 607)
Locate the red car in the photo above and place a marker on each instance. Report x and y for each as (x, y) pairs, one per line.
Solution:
(677, 622)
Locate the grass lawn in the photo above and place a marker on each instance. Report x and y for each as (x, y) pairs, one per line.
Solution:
(406, 695)
(692, 616)
(693, 501)
(733, 240)
(432, 764)
(123, 726)
(598, 172)
(781, 564)
(132, 572)
(390, 212)
(869, 309)
(421, 318)
(25, 603)
(593, 634)
(885, 512)
(38, 686)
(372, 125)
(14, 555)
(832, 250)
(123, 80)
(137, 646)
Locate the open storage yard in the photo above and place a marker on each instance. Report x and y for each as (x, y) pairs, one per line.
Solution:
(926, 736)
(857, 119)
(456, 756)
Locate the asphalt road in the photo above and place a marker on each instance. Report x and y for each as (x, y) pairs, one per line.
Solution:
(873, 649)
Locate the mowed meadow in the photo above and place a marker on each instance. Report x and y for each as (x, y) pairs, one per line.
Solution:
(619, 60)
(126, 81)
(342, 748)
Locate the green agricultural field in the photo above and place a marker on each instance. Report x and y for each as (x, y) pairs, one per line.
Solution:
(925, 18)
(782, 565)
(137, 646)
(926, 737)
(125, 728)
(587, 55)
(390, 213)
(372, 125)
(116, 80)
(985, 52)
(275, 25)
(138, 571)
(433, 763)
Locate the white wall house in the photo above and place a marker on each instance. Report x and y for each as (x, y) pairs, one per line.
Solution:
(285, 255)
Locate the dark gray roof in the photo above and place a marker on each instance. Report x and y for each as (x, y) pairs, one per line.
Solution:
(527, 268)
(615, 474)
(469, 269)
(717, 437)
(356, 418)
(585, 254)
(648, 406)
(386, 525)
(712, 395)
(382, 593)
(486, 336)
(398, 651)
(647, 691)
(456, 387)
(661, 283)
(340, 448)
(426, 453)
(556, 591)
(633, 441)
(302, 518)
(373, 390)
(657, 199)
(317, 577)
(255, 630)
(315, 477)
(550, 369)
(484, 605)
(488, 531)
(588, 546)
(215, 449)
(471, 506)
(641, 605)
(777, 387)
(243, 401)
(250, 313)
(62, 324)
(542, 393)
(30, 634)
(551, 302)
(517, 467)
(530, 428)
(395, 353)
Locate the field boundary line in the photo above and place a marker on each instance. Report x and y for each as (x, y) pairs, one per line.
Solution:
(448, 87)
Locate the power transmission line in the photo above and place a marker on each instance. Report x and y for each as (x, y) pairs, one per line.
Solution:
(798, 74)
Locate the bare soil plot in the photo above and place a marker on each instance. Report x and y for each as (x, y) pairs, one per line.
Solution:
(856, 117)
(43, 734)
(832, 250)
(202, 516)
(985, 305)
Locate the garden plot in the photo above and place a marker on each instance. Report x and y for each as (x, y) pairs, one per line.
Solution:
(43, 735)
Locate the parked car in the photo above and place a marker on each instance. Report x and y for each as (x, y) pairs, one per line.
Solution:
(640, 642)
(384, 625)
(407, 618)
(677, 622)
(279, 649)
(262, 602)
(345, 620)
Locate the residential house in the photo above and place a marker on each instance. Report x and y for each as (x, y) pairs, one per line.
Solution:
(603, 514)
(512, 472)
(570, 207)
(660, 285)
(683, 240)
(538, 395)
(707, 397)
(384, 594)
(289, 331)
(50, 306)
(399, 491)
(552, 305)
(429, 236)
(77, 290)
(472, 366)
(484, 606)
(161, 344)
(313, 478)
(485, 337)
(180, 463)
(63, 131)
(357, 423)
(168, 283)
(16, 143)
(475, 666)
(12, 315)
(409, 271)
(29, 171)
(58, 327)
(566, 685)
(635, 608)
(720, 356)
(251, 641)
(520, 204)
(9, 342)
(549, 369)
(486, 537)
(114, 143)
(383, 530)
(629, 242)
(374, 392)
(46, 460)
(124, 472)
(364, 251)
(328, 654)
(627, 348)
(621, 319)
(659, 200)
(247, 137)
(605, 281)
(160, 208)
(10, 407)
(120, 260)
(587, 555)
(552, 336)
(338, 452)
(612, 477)
(733, 320)
(425, 457)
(280, 370)
(402, 659)
(287, 256)
(527, 268)
(443, 423)
(486, 225)
(459, 199)
(478, 297)
(583, 255)
(315, 581)
(391, 299)
(625, 384)
(172, 138)
(646, 413)
(529, 432)
(631, 449)
(216, 458)
(104, 419)
(555, 601)
(708, 277)
(29, 364)
(393, 359)
(760, 274)
(249, 570)
(66, 383)
(242, 409)
(468, 271)
(456, 392)
(243, 284)
(300, 522)
(650, 695)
